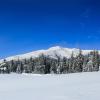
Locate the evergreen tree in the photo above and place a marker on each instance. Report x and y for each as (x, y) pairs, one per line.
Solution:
(80, 60)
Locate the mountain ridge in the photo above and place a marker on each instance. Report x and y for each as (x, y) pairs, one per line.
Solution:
(52, 52)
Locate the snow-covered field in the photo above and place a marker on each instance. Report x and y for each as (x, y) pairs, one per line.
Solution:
(78, 86)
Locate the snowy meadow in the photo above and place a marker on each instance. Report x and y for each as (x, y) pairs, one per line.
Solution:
(77, 86)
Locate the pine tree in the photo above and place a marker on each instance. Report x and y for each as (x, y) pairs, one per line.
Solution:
(80, 60)
(71, 64)
(86, 59)
(65, 65)
(96, 61)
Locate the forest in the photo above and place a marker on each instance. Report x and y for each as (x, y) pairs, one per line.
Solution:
(47, 65)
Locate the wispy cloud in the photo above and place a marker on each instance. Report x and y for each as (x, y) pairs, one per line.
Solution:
(85, 13)
(82, 25)
(84, 16)
(93, 37)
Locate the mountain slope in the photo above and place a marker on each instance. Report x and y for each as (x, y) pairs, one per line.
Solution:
(52, 52)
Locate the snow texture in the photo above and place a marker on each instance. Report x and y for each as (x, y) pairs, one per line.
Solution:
(78, 86)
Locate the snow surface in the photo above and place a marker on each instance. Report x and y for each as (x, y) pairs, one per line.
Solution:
(52, 52)
(78, 86)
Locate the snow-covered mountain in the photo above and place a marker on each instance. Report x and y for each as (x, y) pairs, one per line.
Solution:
(52, 52)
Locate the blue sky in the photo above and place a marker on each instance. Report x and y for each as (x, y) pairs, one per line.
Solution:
(27, 25)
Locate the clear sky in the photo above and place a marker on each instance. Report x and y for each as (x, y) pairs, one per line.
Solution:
(27, 25)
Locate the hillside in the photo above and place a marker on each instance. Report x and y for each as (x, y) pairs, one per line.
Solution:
(52, 52)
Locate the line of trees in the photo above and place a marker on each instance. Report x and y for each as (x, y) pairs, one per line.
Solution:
(46, 65)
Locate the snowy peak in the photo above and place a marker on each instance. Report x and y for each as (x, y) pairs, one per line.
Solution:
(60, 51)
(52, 52)
(55, 48)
